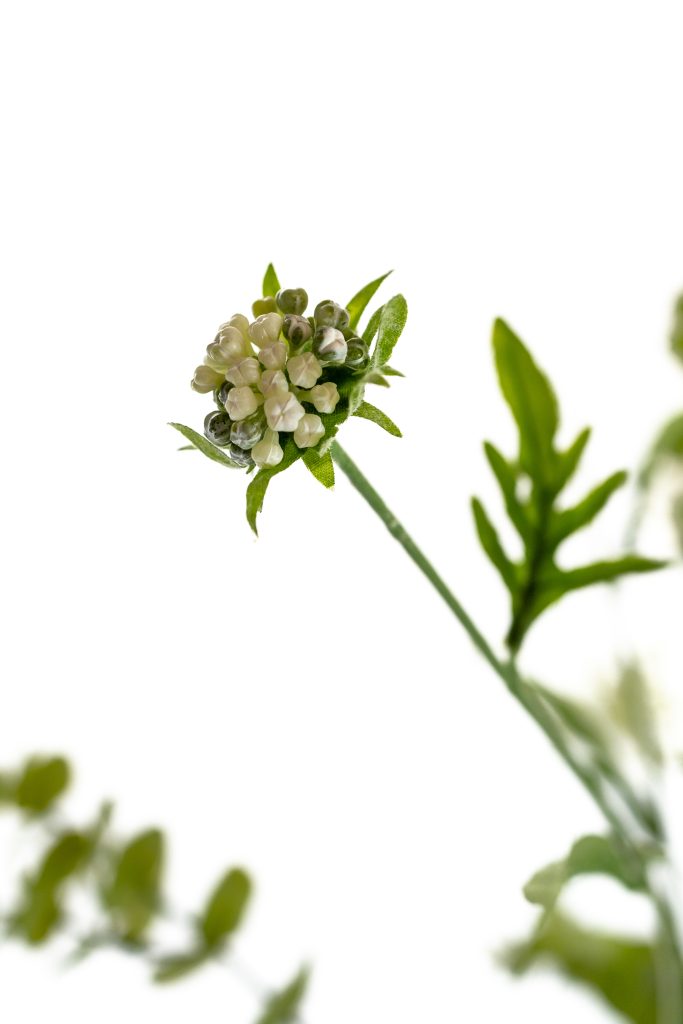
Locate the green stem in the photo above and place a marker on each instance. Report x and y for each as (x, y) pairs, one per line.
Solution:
(532, 701)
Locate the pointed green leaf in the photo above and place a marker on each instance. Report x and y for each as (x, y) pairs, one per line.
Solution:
(632, 708)
(284, 1006)
(321, 466)
(389, 371)
(591, 855)
(568, 461)
(369, 412)
(554, 583)
(226, 907)
(358, 303)
(40, 912)
(204, 446)
(391, 323)
(133, 897)
(668, 446)
(42, 781)
(622, 972)
(532, 402)
(570, 520)
(256, 491)
(373, 326)
(171, 968)
(271, 285)
(506, 475)
(490, 542)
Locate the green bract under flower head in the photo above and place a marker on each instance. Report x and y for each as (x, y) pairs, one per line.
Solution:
(283, 382)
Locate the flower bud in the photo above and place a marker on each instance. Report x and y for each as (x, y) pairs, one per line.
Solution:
(240, 403)
(227, 348)
(274, 356)
(357, 357)
(296, 329)
(239, 322)
(329, 345)
(248, 431)
(271, 382)
(217, 428)
(222, 393)
(247, 371)
(324, 397)
(268, 451)
(240, 456)
(329, 314)
(206, 379)
(292, 300)
(265, 330)
(304, 370)
(263, 306)
(309, 430)
(283, 411)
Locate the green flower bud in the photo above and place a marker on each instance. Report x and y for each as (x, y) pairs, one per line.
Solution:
(297, 329)
(292, 300)
(221, 395)
(308, 431)
(268, 451)
(217, 428)
(329, 314)
(262, 306)
(241, 402)
(357, 357)
(304, 370)
(206, 379)
(329, 346)
(249, 431)
(240, 456)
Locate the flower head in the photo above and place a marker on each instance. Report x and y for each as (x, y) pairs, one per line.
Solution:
(284, 383)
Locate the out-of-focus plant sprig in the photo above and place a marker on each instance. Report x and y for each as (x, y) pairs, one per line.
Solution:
(124, 879)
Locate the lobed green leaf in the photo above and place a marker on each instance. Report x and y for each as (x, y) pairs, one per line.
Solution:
(491, 544)
(568, 521)
(506, 475)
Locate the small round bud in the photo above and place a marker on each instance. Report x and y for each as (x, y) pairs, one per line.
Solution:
(247, 432)
(217, 428)
(274, 356)
(271, 382)
(309, 430)
(221, 395)
(240, 456)
(329, 345)
(292, 300)
(357, 357)
(329, 314)
(241, 402)
(265, 330)
(283, 411)
(324, 397)
(239, 322)
(206, 379)
(297, 329)
(304, 370)
(268, 451)
(247, 371)
(262, 306)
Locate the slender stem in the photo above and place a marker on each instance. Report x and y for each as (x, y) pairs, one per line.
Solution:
(670, 984)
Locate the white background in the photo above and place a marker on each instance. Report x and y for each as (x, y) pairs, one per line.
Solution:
(303, 704)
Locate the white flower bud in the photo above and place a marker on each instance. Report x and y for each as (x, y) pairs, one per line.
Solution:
(274, 356)
(324, 397)
(309, 430)
(247, 371)
(304, 370)
(240, 323)
(241, 402)
(282, 410)
(206, 379)
(265, 330)
(227, 349)
(271, 382)
(267, 452)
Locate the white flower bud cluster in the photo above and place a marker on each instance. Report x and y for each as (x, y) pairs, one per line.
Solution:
(257, 377)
